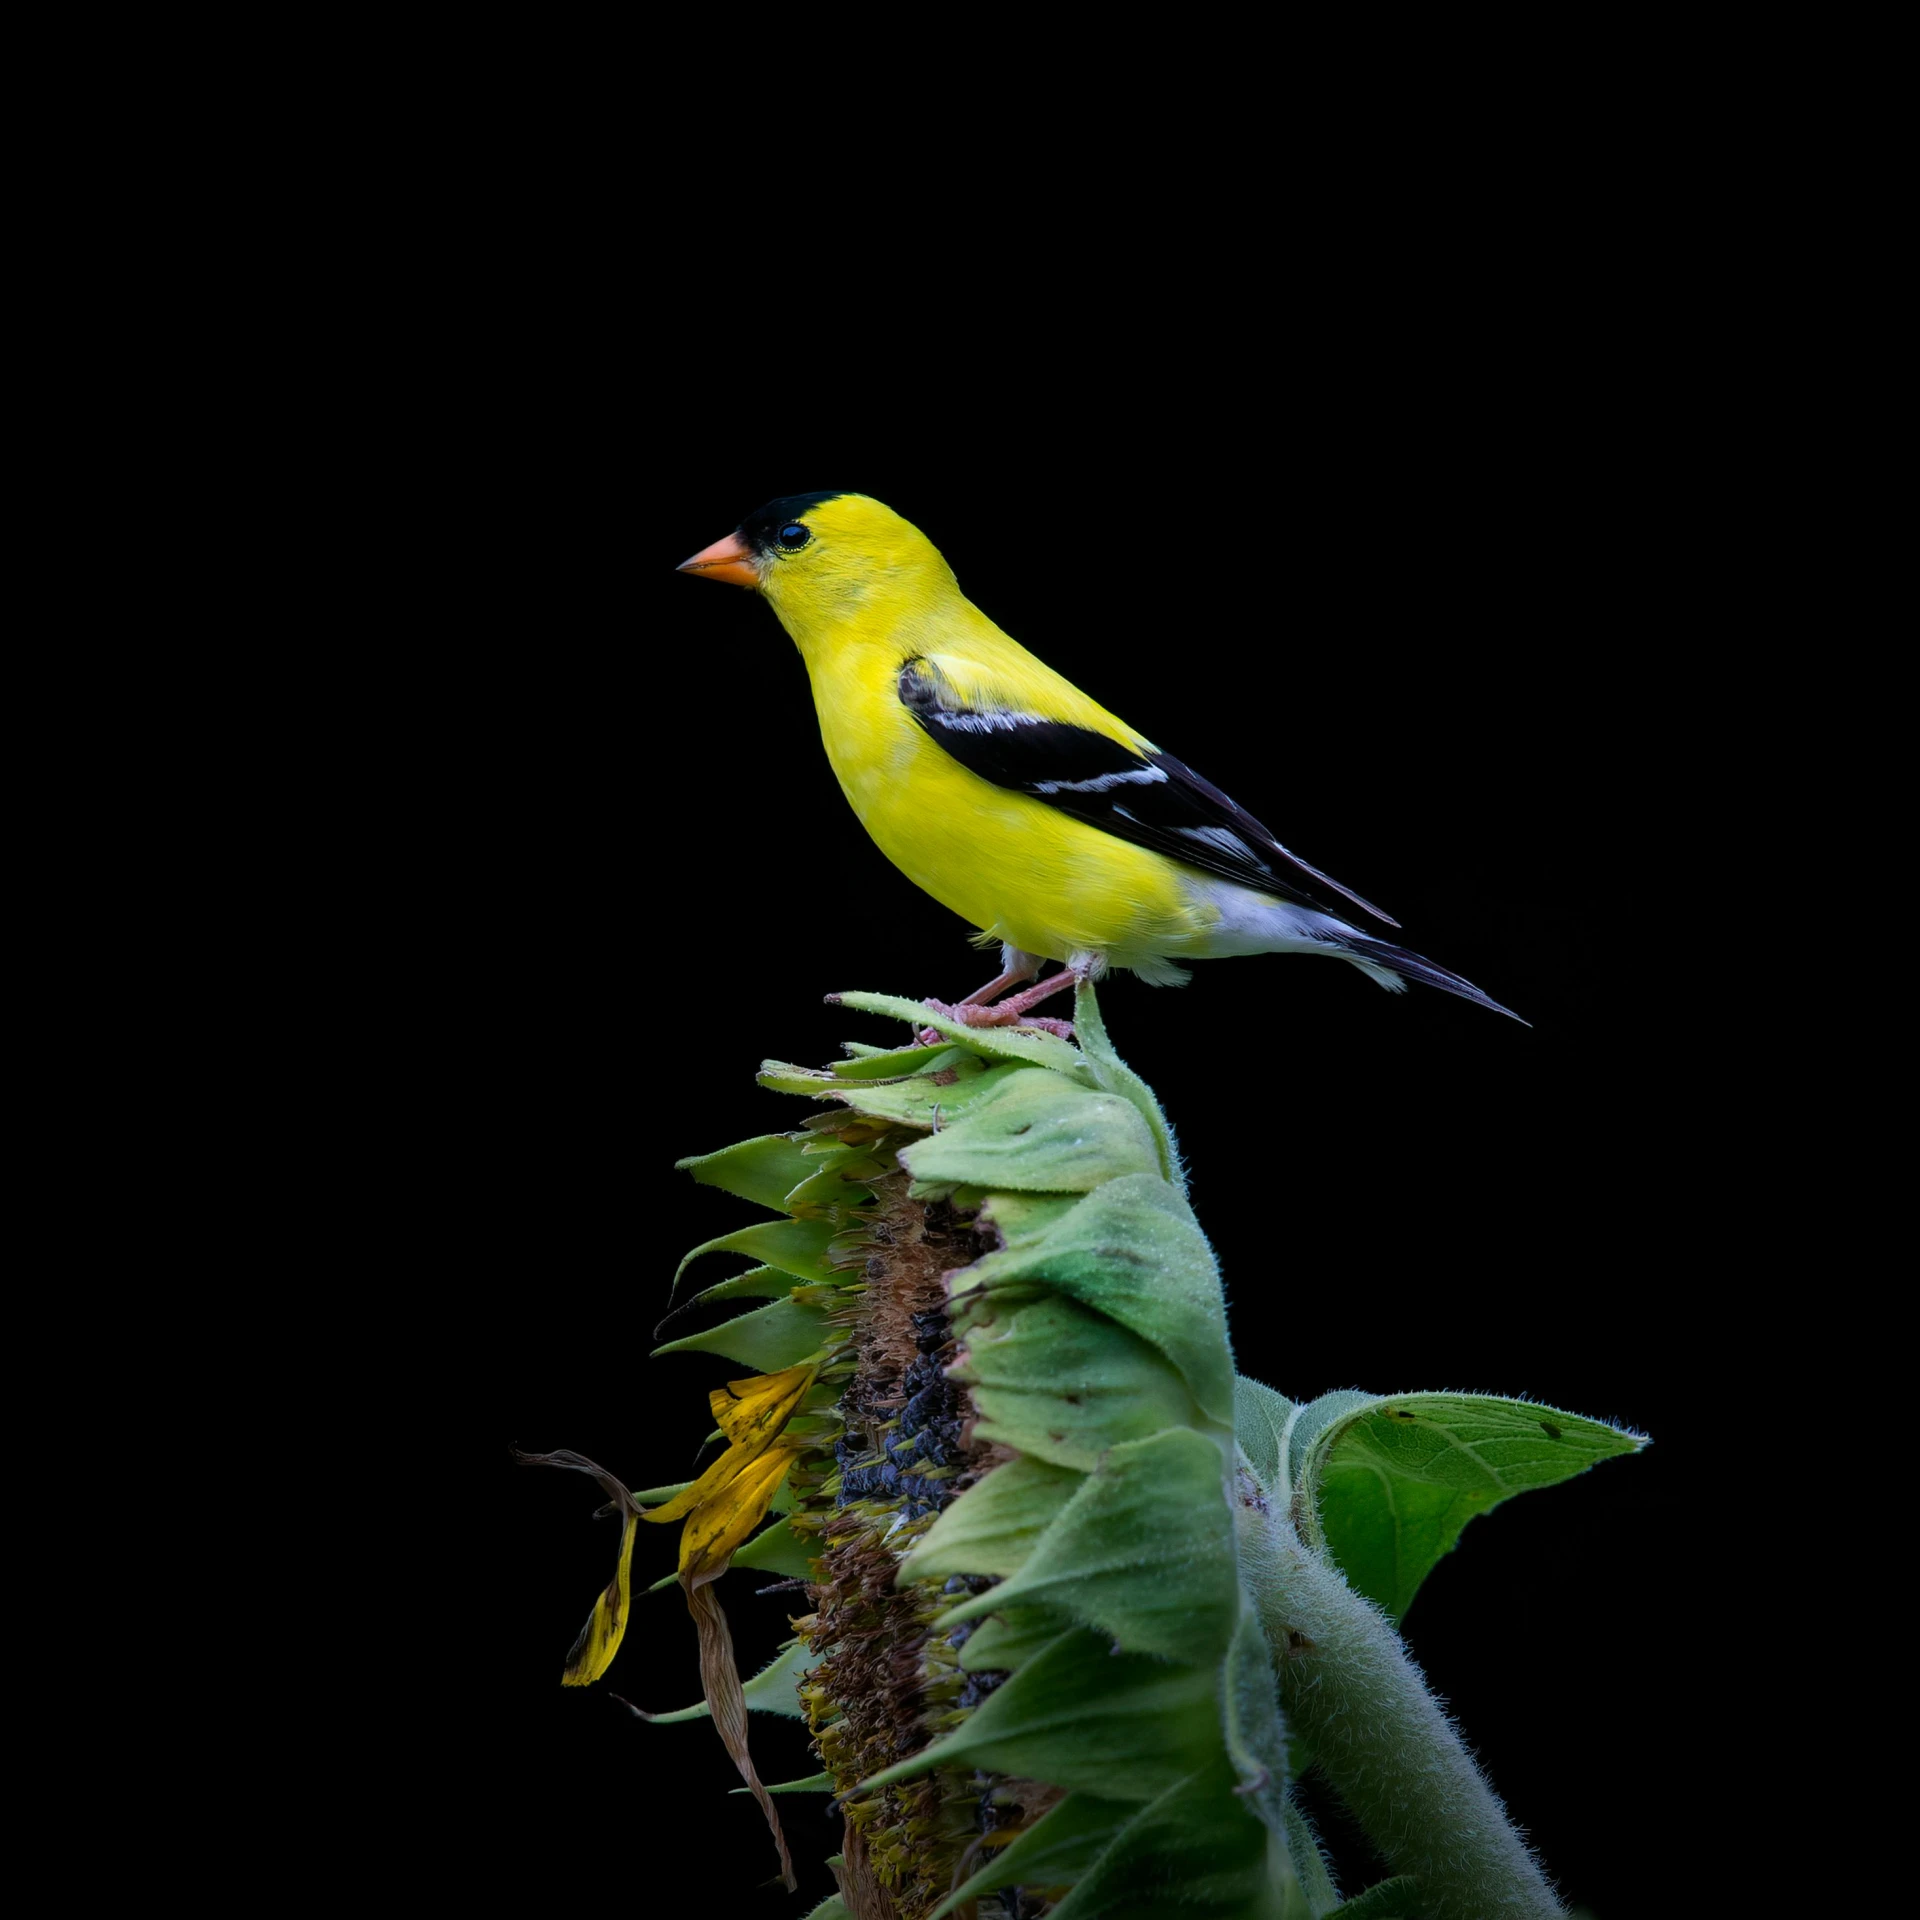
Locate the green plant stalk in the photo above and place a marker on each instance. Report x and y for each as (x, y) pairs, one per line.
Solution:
(1353, 1693)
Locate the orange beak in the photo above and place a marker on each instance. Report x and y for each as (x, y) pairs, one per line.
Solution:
(726, 559)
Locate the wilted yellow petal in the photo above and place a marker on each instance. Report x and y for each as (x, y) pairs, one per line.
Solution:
(689, 1497)
(761, 1404)
(719, 1525)
(600, 1638)
(751, 1414)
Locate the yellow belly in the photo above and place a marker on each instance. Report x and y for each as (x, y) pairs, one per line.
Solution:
(1016, 868)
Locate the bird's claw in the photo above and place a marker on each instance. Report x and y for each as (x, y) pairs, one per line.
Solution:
(1047, 1024)
(975, 1016)
(994, 1017)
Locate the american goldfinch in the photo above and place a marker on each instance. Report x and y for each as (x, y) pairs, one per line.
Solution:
(1002, 790)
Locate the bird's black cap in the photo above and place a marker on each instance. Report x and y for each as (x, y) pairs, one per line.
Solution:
(760, 526)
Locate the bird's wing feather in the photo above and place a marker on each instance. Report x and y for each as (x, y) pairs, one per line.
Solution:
(1143, 796)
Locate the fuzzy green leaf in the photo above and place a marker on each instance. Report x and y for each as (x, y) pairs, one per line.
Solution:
(912, 1103)
(1394, 1480)
(1079, 1715)
(774, 1689)
(1013, 1637)
(1144, 1551)
(1055, 1852)
(772, 1338)
(1131, 1252)
(1037, 1133)
(1261, 1421)
(797, 1247)
(1196, 1851)
(1310, 1419)
(1019, 1218)
(764, 1170)
(757, 1283)
(839, 1180)
(881, 1063)
(992, 1527)
(1115, 1076)
(778, 1549)
(813, 1783)
(781, 1076)
(831, 1908)
(1061, 1383)
(990, 1043)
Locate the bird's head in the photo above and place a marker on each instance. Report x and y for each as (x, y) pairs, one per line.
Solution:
(821, 558)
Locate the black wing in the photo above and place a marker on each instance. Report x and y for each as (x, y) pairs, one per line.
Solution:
(1151, 799)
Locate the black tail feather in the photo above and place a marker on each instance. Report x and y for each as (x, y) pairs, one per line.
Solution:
(1415, 966)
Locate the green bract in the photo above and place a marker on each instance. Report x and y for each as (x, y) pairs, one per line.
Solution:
(1057, 1556)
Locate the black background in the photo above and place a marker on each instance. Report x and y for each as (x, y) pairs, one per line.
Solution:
(1401, 604)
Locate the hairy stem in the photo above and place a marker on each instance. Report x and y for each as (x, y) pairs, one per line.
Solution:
(1353, 1693)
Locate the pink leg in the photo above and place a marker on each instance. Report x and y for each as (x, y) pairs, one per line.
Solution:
(995, 988)
(1014, 1012)
(981, 995)
(1009, 1011)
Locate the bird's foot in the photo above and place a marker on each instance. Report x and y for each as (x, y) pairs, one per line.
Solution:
(1011, 1012)
(1046, 1023)
(973, 1016)
(1007, 1016)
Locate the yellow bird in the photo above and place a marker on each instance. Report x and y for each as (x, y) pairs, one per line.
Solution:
(1002, 790)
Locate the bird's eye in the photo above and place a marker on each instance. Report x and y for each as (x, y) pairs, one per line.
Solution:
(793, 536)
